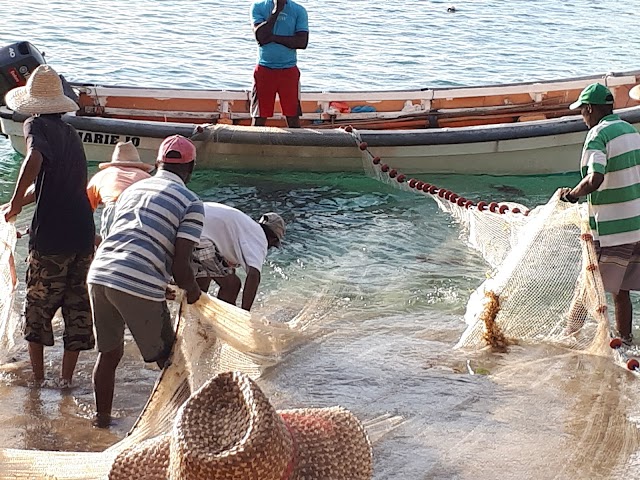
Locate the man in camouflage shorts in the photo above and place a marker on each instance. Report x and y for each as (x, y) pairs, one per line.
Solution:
(53, 282)
(62, 232)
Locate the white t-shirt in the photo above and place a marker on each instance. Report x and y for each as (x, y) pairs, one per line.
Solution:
(239, 238)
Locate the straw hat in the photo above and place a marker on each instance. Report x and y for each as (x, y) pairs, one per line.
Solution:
(126, 155)
(42, 94)
(635, 92)
(229, 430)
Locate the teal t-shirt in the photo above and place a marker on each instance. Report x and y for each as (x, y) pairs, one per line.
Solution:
(291, 20)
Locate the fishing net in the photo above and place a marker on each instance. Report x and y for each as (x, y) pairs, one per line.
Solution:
(211, 337)
(543, 285)
(8, 284)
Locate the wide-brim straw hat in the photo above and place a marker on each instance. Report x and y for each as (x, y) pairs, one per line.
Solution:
(42, 94)
(635, 92)
(229, 430)
(125, 154)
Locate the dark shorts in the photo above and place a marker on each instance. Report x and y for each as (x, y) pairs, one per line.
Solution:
(53, 282)
(269, 81)
(208, 263)
(149, 322)
(619, 266)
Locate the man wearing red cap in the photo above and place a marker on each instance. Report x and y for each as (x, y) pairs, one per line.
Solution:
(156, 224)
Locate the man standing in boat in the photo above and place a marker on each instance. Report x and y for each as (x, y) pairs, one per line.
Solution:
(61, 239)
(156, 224)
(230, 239)
(610, 168)
(281, 27)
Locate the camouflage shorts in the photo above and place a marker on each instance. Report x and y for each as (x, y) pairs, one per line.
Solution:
(53, 282)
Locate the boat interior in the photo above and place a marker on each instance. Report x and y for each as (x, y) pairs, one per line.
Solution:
(373, 110)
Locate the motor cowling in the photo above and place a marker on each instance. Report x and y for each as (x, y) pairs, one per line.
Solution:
(17, 61)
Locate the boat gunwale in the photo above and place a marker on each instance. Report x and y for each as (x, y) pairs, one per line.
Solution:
(311, 95)
(335, 137)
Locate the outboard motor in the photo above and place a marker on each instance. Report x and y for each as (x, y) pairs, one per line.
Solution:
(17, 61)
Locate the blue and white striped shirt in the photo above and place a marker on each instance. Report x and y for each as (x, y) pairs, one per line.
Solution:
(137, 255)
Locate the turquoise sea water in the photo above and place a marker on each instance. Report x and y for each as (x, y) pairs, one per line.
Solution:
(386, 271)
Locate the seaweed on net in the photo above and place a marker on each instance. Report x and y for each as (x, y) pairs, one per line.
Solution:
(493, 335)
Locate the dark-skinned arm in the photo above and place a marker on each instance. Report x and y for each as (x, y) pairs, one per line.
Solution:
(23, 195)
(589, 184)
(298, 42)
(264, 31)
(250, 288)
(182, 271)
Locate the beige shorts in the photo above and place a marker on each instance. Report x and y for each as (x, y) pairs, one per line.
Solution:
(619, 266)
(149, 322)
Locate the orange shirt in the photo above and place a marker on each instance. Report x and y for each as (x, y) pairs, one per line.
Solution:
(107, 185)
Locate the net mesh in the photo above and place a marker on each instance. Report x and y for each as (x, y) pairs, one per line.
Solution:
(211, 337)
(544, 284)
(8, 284)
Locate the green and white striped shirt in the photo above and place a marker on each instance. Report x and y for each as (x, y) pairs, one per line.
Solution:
(613, 148)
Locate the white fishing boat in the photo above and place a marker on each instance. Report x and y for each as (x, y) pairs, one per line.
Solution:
(511, 129)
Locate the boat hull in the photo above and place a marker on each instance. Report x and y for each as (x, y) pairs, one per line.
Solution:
(534, 148)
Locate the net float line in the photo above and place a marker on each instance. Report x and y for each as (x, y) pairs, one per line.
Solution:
(400, 178)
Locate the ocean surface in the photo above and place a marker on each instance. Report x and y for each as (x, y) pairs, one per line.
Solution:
(387, 272)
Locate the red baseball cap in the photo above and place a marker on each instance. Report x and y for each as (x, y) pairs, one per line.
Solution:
(180, 144)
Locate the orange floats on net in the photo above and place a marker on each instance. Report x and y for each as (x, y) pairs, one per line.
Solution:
(587, 237)
(615, 343)
(425, 187)
(633, 364)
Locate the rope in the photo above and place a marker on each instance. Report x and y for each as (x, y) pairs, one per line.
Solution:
(428, 188)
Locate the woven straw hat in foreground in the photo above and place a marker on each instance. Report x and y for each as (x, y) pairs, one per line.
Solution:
(229, 430)
(42, 94)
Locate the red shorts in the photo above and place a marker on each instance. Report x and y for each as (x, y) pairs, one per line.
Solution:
(269, 81)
